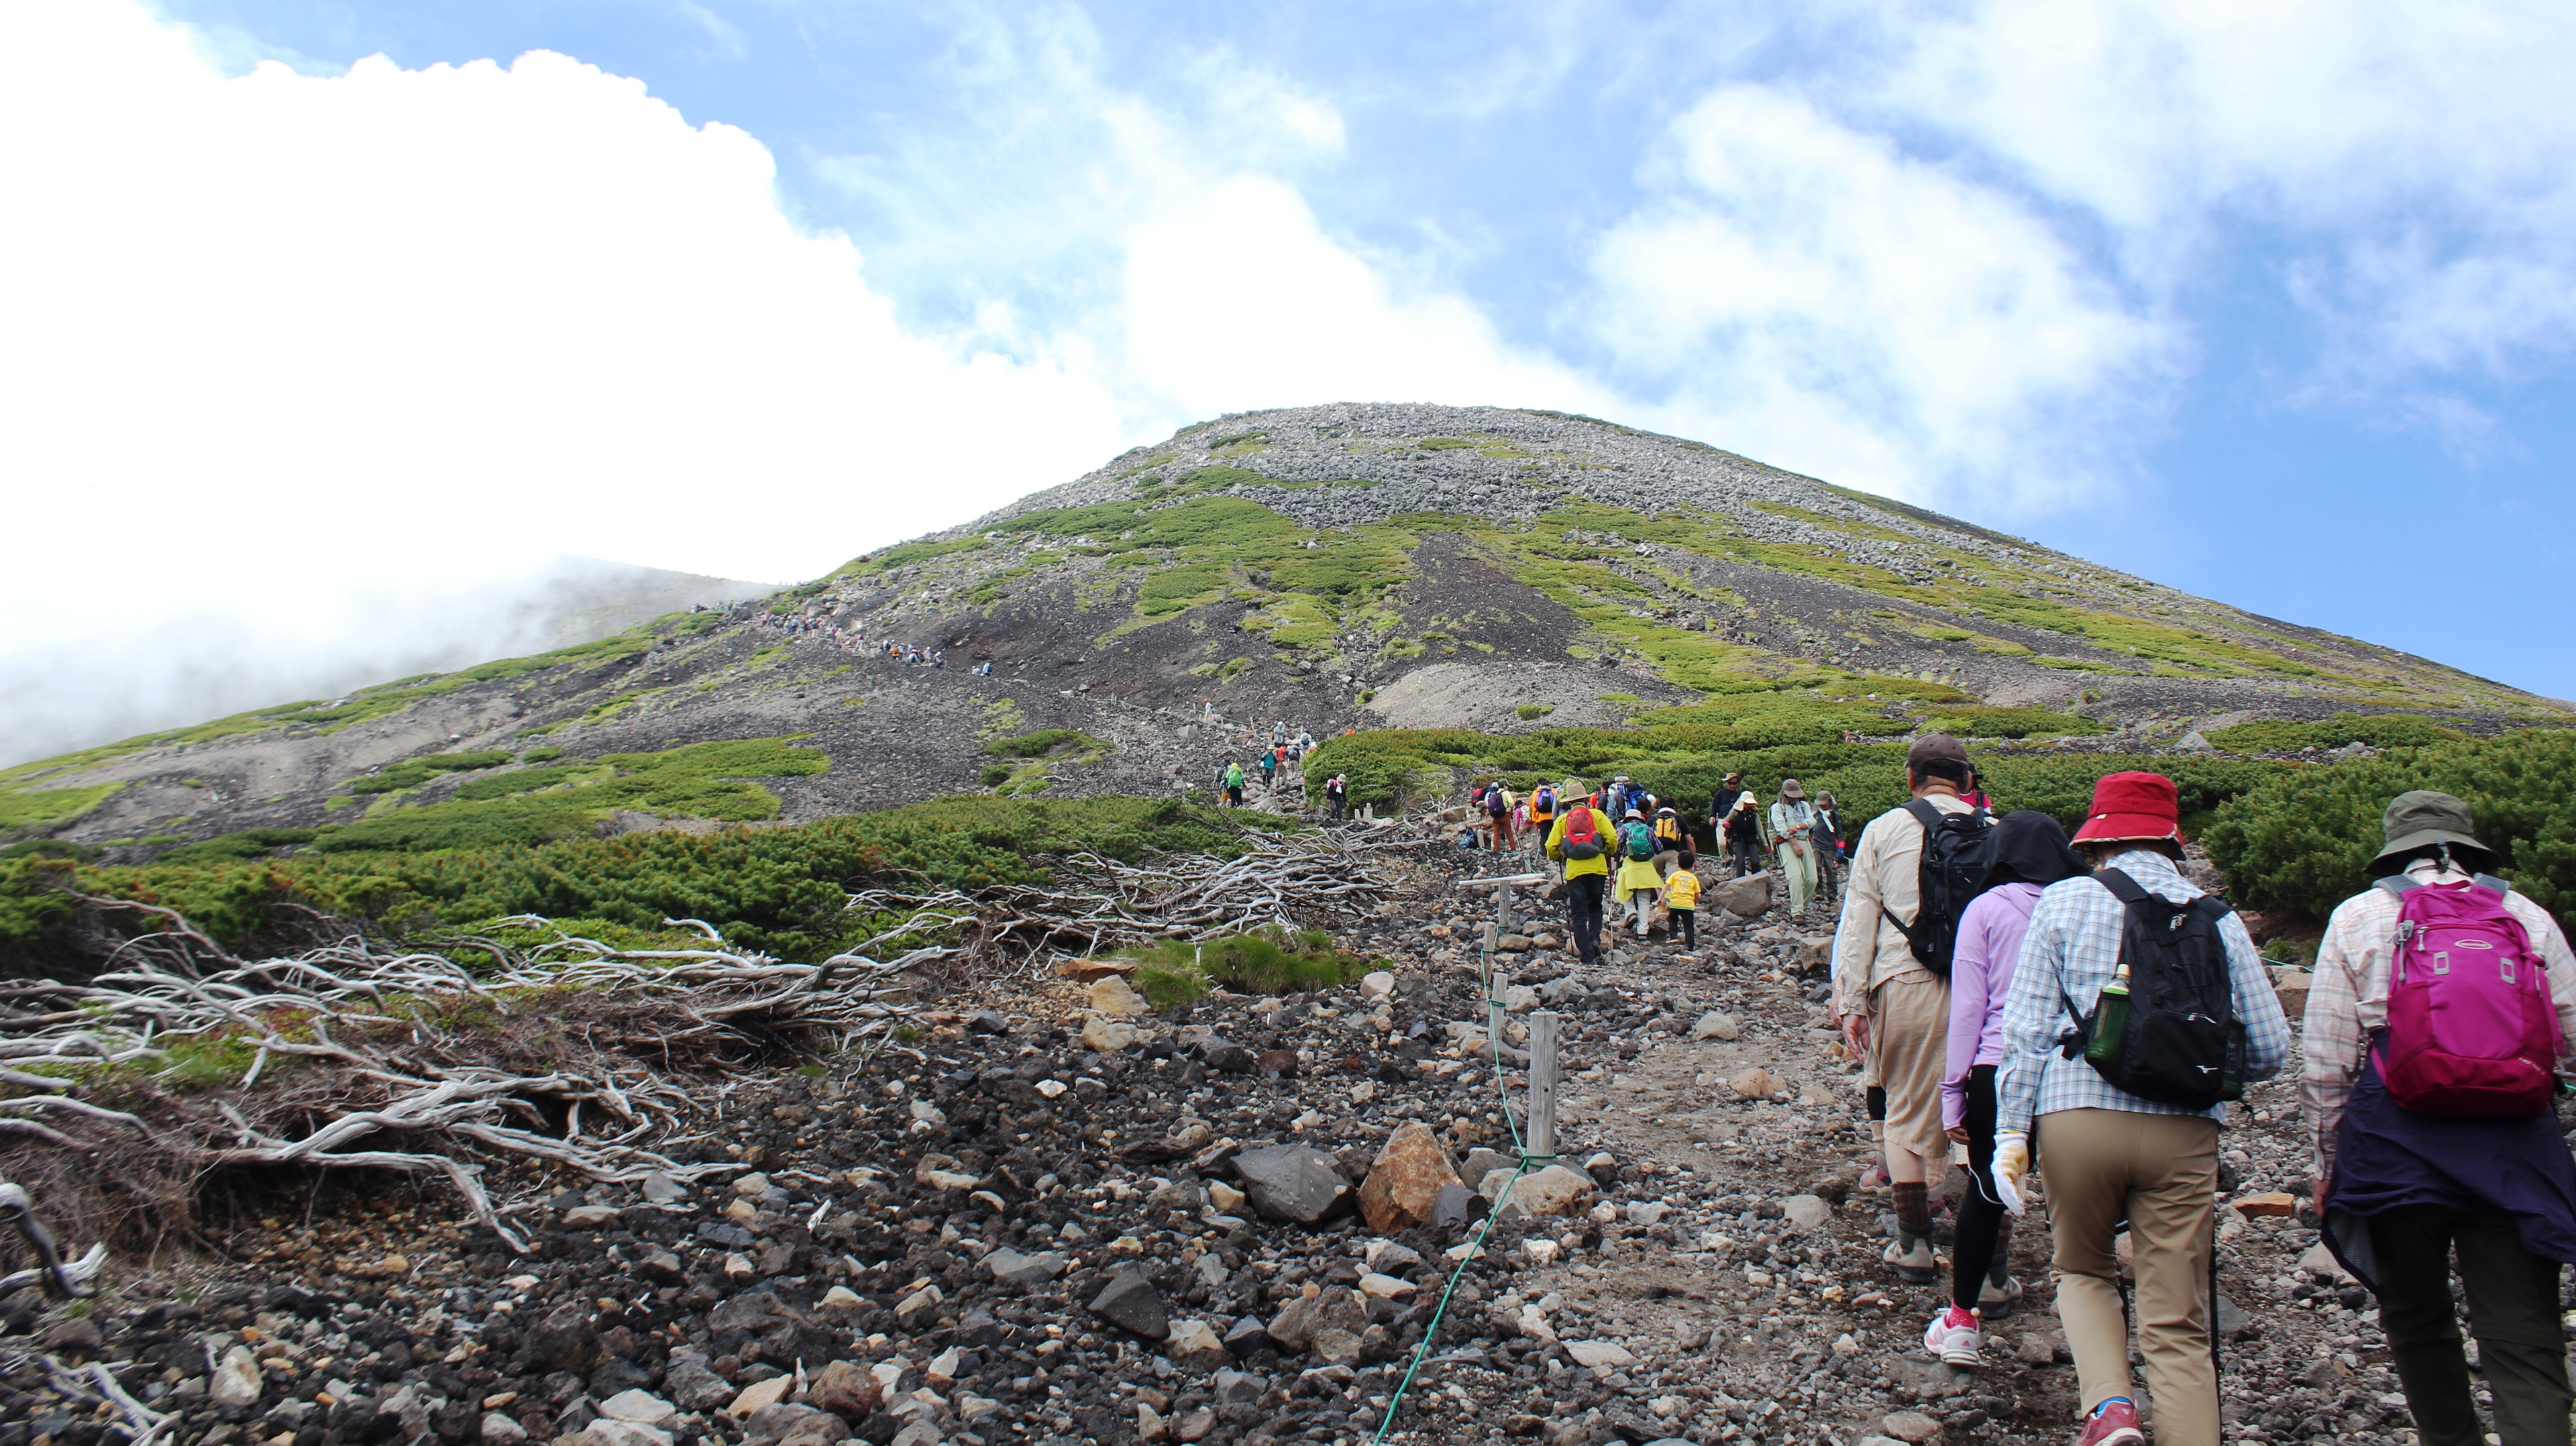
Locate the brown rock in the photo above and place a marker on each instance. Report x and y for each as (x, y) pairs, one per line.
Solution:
(1086, 970)
(845, 1390)
(1758, 1083)
(2271, 1202)
(1405, 1181)
(1340, 1308)
(1276, 1063)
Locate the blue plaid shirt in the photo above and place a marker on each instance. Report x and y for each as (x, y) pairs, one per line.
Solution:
(2074, 946)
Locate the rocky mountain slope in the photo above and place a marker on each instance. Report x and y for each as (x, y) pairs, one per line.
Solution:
(1061, 1220)
(1331, 567)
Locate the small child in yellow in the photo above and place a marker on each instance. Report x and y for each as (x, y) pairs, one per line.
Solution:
(1681, 900)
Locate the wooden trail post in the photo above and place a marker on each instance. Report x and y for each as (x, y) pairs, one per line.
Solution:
(1542, 1083)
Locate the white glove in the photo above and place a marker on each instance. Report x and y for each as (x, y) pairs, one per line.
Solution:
(2012, 1161)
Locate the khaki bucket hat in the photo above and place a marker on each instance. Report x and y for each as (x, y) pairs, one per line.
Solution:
(2421, 818)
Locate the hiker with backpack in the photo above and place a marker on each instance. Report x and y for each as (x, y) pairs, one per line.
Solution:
(1917, 867)
(1233, 784)
(1721, 806)
(1498, 814)
(2031, 852)
(1581, 841)
(1672, 842)
(1640, 884)
(1337, 793)
(1542, 814)
(2138, 1008)
(1828, 836)
(1743, 833)
(2442, 1004)
(1793, 821)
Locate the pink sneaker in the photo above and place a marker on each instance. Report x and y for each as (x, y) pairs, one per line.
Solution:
(2113, 1423)
(1953, 1336)
(1876, 1176)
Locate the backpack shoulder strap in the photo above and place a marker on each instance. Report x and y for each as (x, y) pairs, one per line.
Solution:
(2492, 884)
(2122, 887)
(2395, 886)
(1924, 814)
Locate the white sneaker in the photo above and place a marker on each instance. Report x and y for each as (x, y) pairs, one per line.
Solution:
(1912, 1258)
(1994, 1302)
(1953, 1336)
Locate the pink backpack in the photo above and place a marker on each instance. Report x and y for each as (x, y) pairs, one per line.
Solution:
(2471, 1031)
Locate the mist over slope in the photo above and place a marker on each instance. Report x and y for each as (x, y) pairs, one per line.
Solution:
(1328, 567)
(77, 689)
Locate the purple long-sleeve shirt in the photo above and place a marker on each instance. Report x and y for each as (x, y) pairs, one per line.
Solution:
(1981, 973)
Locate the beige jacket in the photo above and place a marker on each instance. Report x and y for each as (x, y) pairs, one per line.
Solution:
(1882, 897)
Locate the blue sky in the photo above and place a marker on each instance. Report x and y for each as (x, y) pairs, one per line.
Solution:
(2279, 308)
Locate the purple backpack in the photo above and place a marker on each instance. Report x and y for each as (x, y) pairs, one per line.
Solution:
(2471, 1030)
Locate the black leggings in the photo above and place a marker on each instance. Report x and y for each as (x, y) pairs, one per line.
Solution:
(1981, 1209)
(1686, 923)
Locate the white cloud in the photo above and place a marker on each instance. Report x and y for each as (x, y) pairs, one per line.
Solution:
(466, 314)
(1815, 297)
(1240, 300)
(2412, 159)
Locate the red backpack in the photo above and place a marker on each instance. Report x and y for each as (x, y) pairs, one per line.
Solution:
(1582, 837)
(2471, 1030)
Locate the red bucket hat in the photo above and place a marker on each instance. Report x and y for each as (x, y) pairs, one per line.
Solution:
(2131, 806)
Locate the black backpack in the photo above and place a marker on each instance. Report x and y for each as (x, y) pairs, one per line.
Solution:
(2177, 1041)
(1958, 849)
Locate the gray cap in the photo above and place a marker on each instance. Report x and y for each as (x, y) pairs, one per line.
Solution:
(2423, 817)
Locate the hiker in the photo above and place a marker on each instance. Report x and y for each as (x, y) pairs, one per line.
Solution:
(1581, 842)
(1830, 846)
(1671, 840)
(1721, 806)
(1681, 899)
(1542, 812)
(1498, 815)
(1233, 784)
(1793, 819)
(1639, 883)
(2031, 852)
(2129, 1130)
(1890, 1003)
(2404, 1174)
(1269, 766)
(1743, 832)
(1337, 793)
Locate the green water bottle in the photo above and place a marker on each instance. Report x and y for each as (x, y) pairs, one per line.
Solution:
(2109, 1023)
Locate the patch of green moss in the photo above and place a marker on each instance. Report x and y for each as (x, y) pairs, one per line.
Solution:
(903, 554)
(2012, 723)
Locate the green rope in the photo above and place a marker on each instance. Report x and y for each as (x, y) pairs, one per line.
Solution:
(1476, 1247)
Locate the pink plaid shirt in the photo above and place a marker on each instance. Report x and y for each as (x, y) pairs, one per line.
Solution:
(2349, 996)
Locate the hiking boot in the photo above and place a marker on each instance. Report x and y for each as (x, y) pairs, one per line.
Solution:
(1876, 1176)
(2113, 1423)
(1953, 1336)
(1997, 1297)
(1912, 1258)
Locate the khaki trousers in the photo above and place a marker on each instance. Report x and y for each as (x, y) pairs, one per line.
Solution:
(2159, 1171)
(1909, 1039)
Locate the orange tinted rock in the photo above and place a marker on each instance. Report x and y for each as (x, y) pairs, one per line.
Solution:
(1405, 1182)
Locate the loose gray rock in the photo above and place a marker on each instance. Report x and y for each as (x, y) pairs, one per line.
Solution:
(1293, 1183)
(1013, 1268)
(1130, 1302)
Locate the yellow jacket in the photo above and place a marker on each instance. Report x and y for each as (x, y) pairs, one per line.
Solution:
(1681, 890)
(1577, 868)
